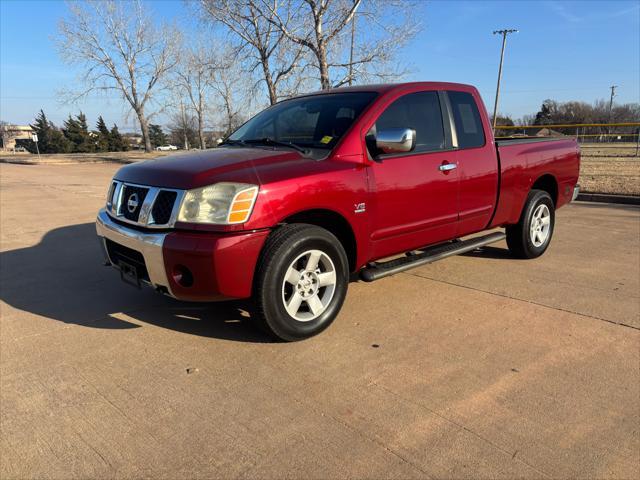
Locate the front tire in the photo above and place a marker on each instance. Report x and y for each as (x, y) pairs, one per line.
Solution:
(531, 236)
(301, 282)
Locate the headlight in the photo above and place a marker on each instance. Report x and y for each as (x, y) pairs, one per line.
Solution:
(221, 203)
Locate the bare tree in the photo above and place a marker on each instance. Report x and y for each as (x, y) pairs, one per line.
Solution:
(194, 78)
(527, 119)
(119, 49)
(233, 96)
(383, 28)
(321, 26)
(260, 41)
(183, 127)
(5, 133)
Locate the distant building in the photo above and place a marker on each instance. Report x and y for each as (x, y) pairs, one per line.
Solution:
(134, 140)
(547, 132)
(11, 133)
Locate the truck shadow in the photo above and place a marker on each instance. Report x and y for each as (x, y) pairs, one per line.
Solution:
(490, 252)
(62, 278)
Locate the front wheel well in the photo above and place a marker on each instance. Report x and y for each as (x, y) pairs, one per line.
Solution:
(334, 223)
(549, 184)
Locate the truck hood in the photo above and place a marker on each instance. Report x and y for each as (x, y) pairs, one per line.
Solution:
(193, 170)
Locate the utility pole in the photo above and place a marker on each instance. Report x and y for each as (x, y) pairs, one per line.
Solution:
(353, 37)
(613, 94)
(504, 34)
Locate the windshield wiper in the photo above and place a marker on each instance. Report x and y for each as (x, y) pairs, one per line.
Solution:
(233, 142)
(275, 143)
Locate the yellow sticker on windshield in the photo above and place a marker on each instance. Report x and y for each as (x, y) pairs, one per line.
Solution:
(326, 139)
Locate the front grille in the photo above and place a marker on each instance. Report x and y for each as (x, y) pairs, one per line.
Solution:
(132, 196)
(145, 206)
(163, 206)
(118, 253)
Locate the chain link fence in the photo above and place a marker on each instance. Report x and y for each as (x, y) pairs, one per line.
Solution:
(623, 139)
(610, 153)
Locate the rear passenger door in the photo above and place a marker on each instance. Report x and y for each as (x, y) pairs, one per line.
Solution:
(415, 193)
(477, 163)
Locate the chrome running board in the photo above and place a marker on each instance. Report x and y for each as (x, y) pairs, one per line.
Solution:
(377, 270)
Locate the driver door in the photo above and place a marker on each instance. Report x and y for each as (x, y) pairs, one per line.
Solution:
(414, 194)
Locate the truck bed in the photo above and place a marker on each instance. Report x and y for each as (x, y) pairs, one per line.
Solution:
(503, 141)
(552, 159)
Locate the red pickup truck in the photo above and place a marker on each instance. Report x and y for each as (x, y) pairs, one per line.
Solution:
(321, 187)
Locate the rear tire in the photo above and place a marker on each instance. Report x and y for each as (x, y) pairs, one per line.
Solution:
(531, 236)
(301, 282)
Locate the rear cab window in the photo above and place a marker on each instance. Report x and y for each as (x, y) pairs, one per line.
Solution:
(468, 122)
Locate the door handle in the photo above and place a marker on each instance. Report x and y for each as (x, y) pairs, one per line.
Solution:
(445, 167)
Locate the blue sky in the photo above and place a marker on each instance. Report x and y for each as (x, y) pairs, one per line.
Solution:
(565, 50)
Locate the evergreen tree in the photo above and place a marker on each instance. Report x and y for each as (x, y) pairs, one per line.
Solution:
(42, 129)
(116, 141)
(103, 135)
(156, 135)
(50, 138)
(58, 142)
(546, 113)
(77, 131)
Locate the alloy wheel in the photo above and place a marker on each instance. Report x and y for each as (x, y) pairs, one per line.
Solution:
(309, 285)
(540, 225)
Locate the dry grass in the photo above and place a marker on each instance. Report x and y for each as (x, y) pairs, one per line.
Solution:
(63, 158)
(610, 169)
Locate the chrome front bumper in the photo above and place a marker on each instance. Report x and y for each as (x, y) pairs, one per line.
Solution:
(576, 192)
(148, 244)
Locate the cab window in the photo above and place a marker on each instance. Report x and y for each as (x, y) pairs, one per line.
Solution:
(420, 111)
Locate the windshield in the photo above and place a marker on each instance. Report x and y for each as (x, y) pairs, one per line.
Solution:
(311, 122)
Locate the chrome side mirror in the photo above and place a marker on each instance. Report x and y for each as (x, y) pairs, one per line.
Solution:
(396, 140)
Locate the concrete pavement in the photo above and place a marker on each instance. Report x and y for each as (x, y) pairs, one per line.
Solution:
(479, 366)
